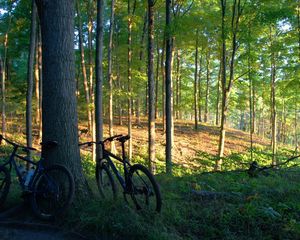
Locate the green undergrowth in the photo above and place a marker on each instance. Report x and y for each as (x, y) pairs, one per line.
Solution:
(265, 207)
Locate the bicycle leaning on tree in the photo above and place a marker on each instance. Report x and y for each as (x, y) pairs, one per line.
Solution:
(50, 189)
(139, 186)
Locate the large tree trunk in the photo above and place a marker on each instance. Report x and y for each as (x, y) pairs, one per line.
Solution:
(151, 86)
(83, 67)
(168, 66)
(99, 77)
(109, 74)
(30, 75)
(59, 100)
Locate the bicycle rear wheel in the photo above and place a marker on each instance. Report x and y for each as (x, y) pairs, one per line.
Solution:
(105, 181)
(4, 184)
(145, 191)
(53, 192)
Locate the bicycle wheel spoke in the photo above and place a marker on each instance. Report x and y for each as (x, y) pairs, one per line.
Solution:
(145, 192)
(54, 190)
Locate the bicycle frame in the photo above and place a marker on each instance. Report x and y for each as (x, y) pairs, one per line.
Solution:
(12, 163)
(107, 156)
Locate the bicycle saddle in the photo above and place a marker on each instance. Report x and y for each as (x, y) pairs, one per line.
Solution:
(49, 143)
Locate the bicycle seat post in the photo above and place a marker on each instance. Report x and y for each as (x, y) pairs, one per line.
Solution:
(123, 150)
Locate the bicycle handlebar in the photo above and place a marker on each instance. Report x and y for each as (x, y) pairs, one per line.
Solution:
(15, 144)
(119, 138)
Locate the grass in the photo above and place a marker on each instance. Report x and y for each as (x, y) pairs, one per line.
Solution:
(265, 207)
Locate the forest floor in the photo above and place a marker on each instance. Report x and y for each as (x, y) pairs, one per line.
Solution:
(240, 207)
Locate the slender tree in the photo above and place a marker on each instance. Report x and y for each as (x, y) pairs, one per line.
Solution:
(109, 71)
(226, 88)
(196, 82)
(99, 76)
(168, 94)
(151, 86)
(83, 67)
(30, 75)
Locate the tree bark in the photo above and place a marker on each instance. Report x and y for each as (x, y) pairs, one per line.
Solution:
(109, 74)
(273, 104)
(59, 100)
(38, 82)
(226, 89)
(178, 77)
(4, 73)
(168, 99)
(129, 77)
(157, 79)
(163, 74)
(99, 77)
(196, 83)
(30, 75)
(83, 67)
(151, 86)
(207, 85)
(218, 95)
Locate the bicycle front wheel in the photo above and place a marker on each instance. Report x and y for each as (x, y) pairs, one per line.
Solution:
(105, 181)
(53, 192)
(145, 192)
(4, 184)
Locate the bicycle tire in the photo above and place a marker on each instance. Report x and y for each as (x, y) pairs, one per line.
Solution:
(146, 187)
(4, 184)
(54, 187)
(105, 182)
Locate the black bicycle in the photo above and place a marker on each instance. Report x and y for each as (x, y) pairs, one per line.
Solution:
(50, 189)
(138, 183)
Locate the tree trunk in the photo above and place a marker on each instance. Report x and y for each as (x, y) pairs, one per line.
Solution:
(218, 95)
(151, 87)
(196, 83)
(37, 76)
(59, 100)
(129, 85)
(30, 75)
(207, 85)
(157, 80)
(109, 74)
(83, 67)
(91, 9)
(178, 77)
(236, 13)
(251, 101)
(99, 77)
(273, 110)
(163, 74)
(5, 74)
(168, 99)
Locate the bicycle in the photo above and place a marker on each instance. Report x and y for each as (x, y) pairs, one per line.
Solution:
(137, 182)
(50, 189)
